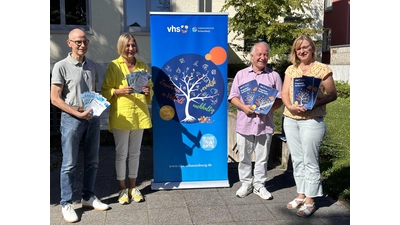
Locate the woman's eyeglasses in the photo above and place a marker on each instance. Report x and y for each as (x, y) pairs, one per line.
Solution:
(304, 48)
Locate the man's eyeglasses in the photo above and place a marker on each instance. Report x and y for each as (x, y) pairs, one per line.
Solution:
(304, 48)
(79, 43)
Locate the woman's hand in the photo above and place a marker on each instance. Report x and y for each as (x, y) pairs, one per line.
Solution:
(125, 90)
(296, 109)
(146, 90)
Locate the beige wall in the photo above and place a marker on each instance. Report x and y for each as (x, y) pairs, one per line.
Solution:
(103, 36)
(106, 23)
(340, 62)
(340, 55)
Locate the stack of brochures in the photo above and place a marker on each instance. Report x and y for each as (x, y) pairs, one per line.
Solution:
(94, 101)
(305, 91)
(137, 80)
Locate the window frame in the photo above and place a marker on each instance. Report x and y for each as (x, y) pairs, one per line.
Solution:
(327, 37)
(64, 27)
(328, 5)
(145, 29)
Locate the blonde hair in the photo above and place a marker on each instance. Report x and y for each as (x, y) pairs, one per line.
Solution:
(296, 44)
(123, 41)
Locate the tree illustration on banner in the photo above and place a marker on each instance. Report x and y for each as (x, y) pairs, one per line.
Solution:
(192, 85)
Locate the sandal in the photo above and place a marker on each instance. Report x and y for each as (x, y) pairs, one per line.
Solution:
(305, 211)
(294, 205)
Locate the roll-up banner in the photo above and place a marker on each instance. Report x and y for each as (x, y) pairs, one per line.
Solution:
(189, 107)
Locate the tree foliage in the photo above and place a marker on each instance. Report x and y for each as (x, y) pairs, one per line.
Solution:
(277, 22)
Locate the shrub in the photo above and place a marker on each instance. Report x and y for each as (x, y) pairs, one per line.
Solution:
(343, 89)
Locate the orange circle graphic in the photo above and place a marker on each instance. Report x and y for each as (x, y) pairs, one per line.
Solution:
(217, 55)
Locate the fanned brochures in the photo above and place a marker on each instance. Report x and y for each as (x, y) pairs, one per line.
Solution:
(137, 80)
(259, 96)
(263, 99)
(305, 91)
(94, 101)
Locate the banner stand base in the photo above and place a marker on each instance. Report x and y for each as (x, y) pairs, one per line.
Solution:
(187, 184)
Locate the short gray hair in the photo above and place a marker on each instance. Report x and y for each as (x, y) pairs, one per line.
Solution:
(259, 43)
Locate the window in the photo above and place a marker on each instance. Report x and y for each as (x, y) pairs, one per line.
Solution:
(138, 13)
(205, 6)
(328, 5)
(326, 45)
(68, 14)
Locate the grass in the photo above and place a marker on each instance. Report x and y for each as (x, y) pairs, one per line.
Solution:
(335, 150)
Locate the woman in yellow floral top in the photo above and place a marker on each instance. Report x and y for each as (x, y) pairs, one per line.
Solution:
(129, 114)
(305, 129)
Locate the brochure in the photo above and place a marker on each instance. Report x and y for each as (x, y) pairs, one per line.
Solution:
(95, 101)
(247, 91)
(263, 99)
(305, 91)
(137, 80)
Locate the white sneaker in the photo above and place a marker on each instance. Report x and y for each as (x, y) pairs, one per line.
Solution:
(69, 213)
(95, 203)
(244, 191)
(263, 193)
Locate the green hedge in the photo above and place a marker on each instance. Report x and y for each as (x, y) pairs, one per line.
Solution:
(233, 68)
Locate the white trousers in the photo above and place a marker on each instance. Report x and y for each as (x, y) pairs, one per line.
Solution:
(304, 138)
(127, 147)
(260, 145)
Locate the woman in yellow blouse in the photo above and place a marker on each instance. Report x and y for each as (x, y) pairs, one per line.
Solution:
(305, 129)
(129, 114)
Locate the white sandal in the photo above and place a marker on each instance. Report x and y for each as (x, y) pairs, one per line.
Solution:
(304, 212)
(294, 204)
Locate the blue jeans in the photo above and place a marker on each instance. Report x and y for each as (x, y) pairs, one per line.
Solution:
(304, 138)
(72, 130)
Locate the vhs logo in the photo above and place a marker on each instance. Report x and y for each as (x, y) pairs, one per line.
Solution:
(179, 29)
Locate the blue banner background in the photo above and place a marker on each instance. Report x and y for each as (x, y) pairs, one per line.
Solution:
(189, 108)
